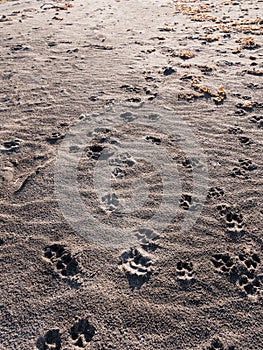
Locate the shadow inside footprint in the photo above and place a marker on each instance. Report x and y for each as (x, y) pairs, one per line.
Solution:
(50, 341)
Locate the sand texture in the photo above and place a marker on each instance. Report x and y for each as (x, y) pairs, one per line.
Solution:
(177, 86)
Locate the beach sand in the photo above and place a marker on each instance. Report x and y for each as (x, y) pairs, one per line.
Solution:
(185, 287)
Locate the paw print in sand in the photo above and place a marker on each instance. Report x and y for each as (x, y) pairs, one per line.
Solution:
(147, 238)
(50, 341)
(62, 261)
(191, 163)
(224, 263)
(187, 202)
(232, 217)
(242, 270)
(251, 285)
(216, 344)
(185, 270)
(153, 139)
(215, 192)
(121, 165)
(10, 146)
(111, 202)
(123, 159)
(81, 333)
(243, 168)
(137, 266)
(258, 119)
(95, 151)
(250, 282)
(250, 261)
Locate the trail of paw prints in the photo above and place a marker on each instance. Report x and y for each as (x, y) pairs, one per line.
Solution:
(216, 344)
(137, 266)
(244, 167)
(232, 217)
(81, 334)
(77, 337)
(63, 263)
(215, 193)
(185, 271)
(188, 202)
(50, 341)
(241, 270)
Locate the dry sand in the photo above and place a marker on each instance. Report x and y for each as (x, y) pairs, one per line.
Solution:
(194, 289)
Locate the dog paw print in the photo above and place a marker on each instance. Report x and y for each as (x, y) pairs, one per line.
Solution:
(121, 165)
(215, 192)
(111, 202)
(224, 263)
(128, 116)
(82, 333)
(250, 285)
(249, 281)
(244, 166)
(216, 344)
(132, 89)
(234, 222)
(232, 217)
(250, 261)
(258, 119)
(147, 238)
(191, 163)
(95, 151)
(50, 341)
(153, 139)
(119, 173)
(235, 131)
(62, 261)
(187, 202)
(137, 266)
(245, 140)
(185, 270)
(10, 146)
(123, 159)
(54, 137)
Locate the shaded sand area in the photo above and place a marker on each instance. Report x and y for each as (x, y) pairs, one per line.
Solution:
(196, 288)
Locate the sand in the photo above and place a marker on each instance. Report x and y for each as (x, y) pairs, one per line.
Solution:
(163, 102)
